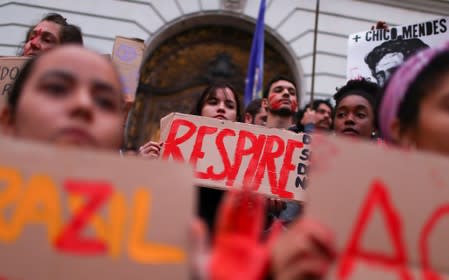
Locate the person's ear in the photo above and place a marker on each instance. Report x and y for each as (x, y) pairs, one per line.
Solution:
(248, 118)
(6, 121)
(403, 138)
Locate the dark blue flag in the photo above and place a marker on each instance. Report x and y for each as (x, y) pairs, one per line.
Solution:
(254, 77)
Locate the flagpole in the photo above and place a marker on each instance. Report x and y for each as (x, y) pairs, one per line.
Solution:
(312, 89)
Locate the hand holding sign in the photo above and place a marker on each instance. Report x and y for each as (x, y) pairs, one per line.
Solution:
(380, 25)
(151, 149)
(304, 251)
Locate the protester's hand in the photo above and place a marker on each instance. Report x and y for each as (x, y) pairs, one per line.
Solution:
(238, 251)
(151, 150)
(304, 251)
(309, 117)
(380, 25)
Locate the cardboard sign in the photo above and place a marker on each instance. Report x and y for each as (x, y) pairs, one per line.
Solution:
(127, 56)
(228, 154)
(9, 71)
(374, 54)
(73, 214)
(388, 208)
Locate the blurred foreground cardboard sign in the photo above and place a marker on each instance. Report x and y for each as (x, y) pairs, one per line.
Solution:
(127, 56)
(389, 209)
(9, 71)
(73, 214)
(228, 154)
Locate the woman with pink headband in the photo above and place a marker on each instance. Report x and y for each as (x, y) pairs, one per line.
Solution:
(414, 111)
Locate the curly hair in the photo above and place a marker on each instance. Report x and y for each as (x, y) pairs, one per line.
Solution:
(364, 88)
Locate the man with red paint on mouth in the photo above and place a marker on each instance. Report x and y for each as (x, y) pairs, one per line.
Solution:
(355, 109)
(51, 31)
(281, 101)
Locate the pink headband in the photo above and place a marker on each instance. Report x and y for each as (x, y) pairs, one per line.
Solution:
(399, 84)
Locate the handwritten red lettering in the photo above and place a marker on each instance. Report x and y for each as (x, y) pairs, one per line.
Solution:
(428, 273)
(70, 239)
(243, 155)
(240, 151)
(171, 144)
(252, 166)
(219, 141)
(267, 162)
(197, 153)
(378, 195)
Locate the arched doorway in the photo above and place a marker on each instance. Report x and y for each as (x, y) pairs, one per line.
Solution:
(185, 58)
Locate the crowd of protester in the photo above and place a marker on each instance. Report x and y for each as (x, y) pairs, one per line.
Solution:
(68, 95)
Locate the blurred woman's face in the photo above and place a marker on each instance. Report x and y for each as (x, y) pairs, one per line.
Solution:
(71, 97)
(431, 132)
(221, 105)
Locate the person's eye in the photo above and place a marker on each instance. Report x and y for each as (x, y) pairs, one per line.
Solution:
(361, 115)
(55, 88)
(106, 103)
(49, 40)
(212, 101)
(230, 105)
(292, 91)
(339, 115)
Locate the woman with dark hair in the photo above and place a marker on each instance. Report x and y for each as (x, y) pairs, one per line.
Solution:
(67, 96)
(414, 108)
(218, 101)
(355, 109)
(51, 31)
